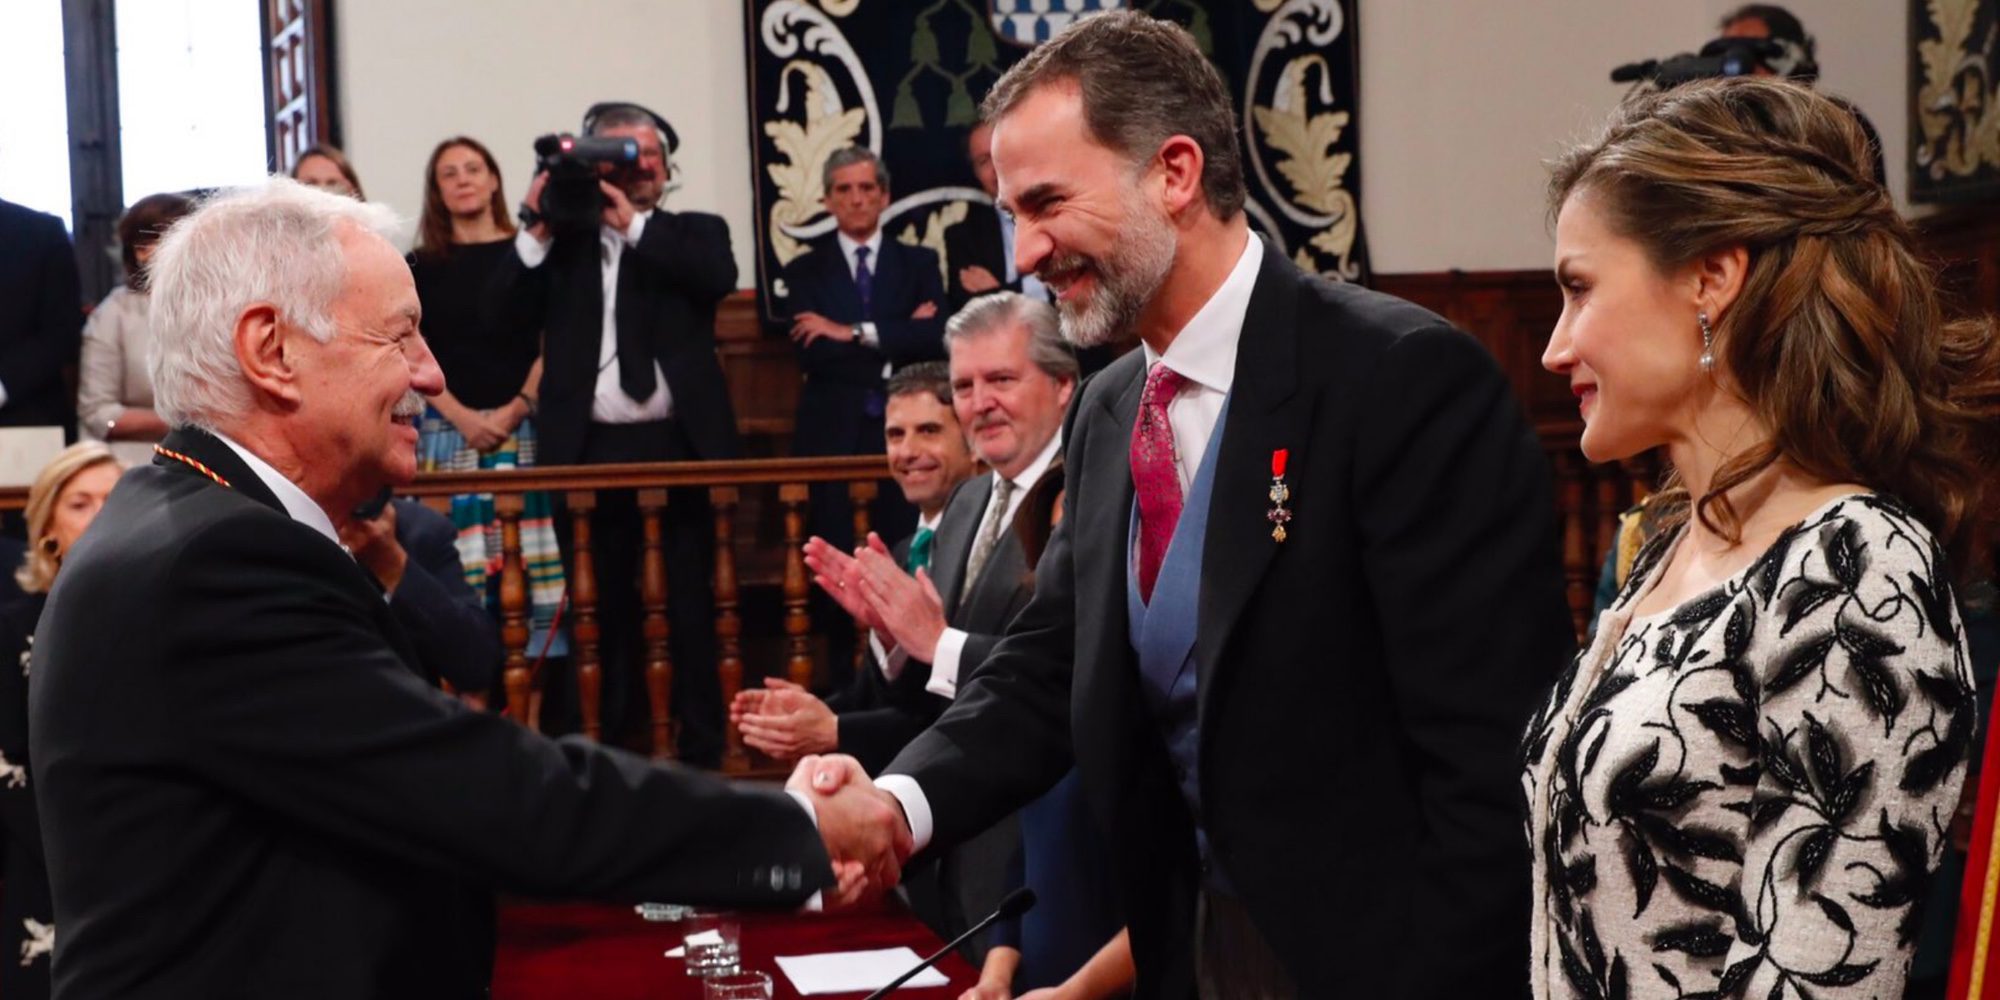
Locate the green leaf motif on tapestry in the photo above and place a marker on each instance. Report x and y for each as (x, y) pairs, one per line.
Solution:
(924, 45)
(979, 50)
(906, 114)
(959, 110)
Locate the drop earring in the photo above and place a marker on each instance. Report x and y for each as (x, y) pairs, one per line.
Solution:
(1707, 342)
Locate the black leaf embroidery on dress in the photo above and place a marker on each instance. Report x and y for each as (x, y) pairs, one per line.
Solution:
(1614, 984)
(1804, 598)
(1927, 768)
(1936, 602)
(1841, 975)
(1699, 612)
(1764, 575)
(1643, 868)
(1736, 634)
(1581, 875)
(1834, 913)
(1732, 720)
(1812, 855)
(1689, 841)
(1704, 939)
(1700, 891)
(1747, 775)
(1737, 976)
(1844, 554)
(1798, 662)
(1579, 977)
(1766, 810)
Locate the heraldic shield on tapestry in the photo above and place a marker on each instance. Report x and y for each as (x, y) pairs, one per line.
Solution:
(905, 77)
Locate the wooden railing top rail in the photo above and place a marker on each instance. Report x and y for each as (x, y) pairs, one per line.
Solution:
(634, 475)
(651, 475)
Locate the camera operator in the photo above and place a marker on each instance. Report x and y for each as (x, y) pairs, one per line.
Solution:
(630, 375)
(1758, 39)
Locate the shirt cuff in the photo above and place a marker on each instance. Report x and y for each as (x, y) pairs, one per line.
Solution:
(531, 250)
(944, 663)
(868, 337)
(892, 660)
(816, 903)
(635, 229)
(916, 808)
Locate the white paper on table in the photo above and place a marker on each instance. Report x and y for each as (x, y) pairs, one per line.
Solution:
(856, 971)
(676, 952)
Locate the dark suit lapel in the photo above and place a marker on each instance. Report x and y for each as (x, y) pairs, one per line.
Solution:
(956, 531)
(1265, 415)
(221, 459)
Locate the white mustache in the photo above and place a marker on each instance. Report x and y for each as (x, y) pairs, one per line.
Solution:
(411, 405)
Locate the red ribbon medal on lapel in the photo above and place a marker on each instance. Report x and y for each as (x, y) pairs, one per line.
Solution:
(1280, 494)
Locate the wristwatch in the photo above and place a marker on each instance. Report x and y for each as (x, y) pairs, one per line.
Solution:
(529, 218)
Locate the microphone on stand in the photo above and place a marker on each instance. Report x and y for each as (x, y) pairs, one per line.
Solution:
(1017, 902)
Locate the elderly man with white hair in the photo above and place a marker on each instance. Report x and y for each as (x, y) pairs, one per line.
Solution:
(247, 786)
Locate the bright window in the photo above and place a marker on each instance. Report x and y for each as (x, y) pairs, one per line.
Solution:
(34, 130)
(190, 94)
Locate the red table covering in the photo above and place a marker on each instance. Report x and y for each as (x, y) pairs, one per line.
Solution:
(608, 953)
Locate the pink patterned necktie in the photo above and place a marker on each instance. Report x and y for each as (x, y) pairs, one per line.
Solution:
(1153, 476)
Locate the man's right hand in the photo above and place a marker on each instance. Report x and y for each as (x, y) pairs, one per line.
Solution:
(859, 822)
(839, 575)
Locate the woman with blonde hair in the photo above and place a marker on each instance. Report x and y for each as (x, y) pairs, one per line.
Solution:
(65, 497)
(1742, 786)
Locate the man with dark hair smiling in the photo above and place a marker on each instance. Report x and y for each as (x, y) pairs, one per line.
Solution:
(1304, 590)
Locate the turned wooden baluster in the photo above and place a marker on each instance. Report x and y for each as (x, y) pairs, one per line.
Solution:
(728, 624)
(659, 662)
(798, 625)
(583, 629)
(1576, 560)
(862, 494)
(514, 610)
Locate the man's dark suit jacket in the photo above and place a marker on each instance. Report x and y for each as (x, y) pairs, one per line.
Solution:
(249, 790)
(1363, 685)
(840, 405)
(976, 242)
(668, 285)
(879, 717)
(446, 620)
(41, 319)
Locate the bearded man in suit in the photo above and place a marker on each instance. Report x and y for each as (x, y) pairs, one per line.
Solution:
(1305, 590)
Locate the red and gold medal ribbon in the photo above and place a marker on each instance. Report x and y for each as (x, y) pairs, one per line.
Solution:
(195, 465)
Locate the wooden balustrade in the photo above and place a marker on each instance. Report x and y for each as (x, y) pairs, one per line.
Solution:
(748, 526)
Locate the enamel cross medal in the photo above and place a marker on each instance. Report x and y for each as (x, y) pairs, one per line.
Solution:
(1280, 494)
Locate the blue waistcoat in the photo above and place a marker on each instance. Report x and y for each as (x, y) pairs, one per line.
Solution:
(1163, 634)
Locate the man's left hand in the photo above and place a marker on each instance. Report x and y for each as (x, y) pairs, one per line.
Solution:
(810, 326)
(909, 607)
(375, 547)
(618, 210)
(924, 311)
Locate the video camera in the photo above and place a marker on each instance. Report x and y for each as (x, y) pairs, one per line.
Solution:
(1721, 57)
(571, 200)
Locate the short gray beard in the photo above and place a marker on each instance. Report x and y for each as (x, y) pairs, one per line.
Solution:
(1128, 277)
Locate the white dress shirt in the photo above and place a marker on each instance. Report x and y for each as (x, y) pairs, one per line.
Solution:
(951, 643)
(298, 506)
(1205, 351)
(609, 403)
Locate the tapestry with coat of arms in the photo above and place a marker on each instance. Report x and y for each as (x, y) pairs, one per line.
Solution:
(905, 78)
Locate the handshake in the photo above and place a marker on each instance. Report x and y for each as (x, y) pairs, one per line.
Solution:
(864, 828)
